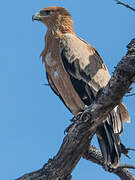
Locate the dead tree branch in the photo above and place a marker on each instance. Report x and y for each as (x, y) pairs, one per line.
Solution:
(126, 5)
(76, 142)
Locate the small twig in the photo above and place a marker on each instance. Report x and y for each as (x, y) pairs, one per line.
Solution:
(45, 84)
(130, 95)
(126, 166)
(130, 149)
(126, 5)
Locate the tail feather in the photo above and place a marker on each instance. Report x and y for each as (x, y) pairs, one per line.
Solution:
(115, 120)
(123, 113)
(117, 116)
(109, 144)
(109, 135)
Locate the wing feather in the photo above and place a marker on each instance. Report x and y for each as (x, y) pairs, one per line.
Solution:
(83, 62)
(87, 72)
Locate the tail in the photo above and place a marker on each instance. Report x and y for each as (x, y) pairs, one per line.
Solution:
(118, 115)
(123, 113)
(109, 135)
(109, 144)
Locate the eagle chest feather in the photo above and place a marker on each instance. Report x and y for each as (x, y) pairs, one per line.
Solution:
(59, 79)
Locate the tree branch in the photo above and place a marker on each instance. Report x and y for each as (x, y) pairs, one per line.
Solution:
(76, 142)
(126, 5)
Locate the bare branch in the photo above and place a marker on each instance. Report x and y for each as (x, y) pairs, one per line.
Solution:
(126, 5)
(129, 166)
(76, 143)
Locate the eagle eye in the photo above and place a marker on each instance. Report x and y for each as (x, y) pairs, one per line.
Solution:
(45, 13)
(48, 12)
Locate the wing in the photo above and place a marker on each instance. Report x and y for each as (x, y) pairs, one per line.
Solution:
(87, 72)
(83, 63)
(54, 89)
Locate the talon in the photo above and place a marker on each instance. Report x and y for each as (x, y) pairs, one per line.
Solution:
(77, 117)
(108, 167)
(85, 116)
(73, 120)
(68, 128)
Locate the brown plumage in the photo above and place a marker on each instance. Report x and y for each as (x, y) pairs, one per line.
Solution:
(76, 72)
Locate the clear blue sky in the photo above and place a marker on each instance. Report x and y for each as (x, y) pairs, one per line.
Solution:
(32, 118)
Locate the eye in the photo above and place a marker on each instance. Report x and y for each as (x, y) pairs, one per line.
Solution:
(48, 12)
(45, 13)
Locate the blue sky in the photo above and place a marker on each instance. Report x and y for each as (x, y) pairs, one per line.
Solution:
(32, 118)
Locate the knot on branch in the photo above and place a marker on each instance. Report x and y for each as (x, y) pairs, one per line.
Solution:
(126, 68)
(131, 47)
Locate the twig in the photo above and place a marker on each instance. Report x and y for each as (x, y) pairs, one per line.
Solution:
(126, 5)
(126, 166)
(46, 84)
(130, 95)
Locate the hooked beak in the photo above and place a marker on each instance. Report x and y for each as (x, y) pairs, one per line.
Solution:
(37, 17)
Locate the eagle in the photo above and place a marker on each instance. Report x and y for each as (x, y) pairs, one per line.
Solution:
(76, 72)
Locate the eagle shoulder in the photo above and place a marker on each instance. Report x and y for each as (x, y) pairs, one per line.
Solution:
(83, 62)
